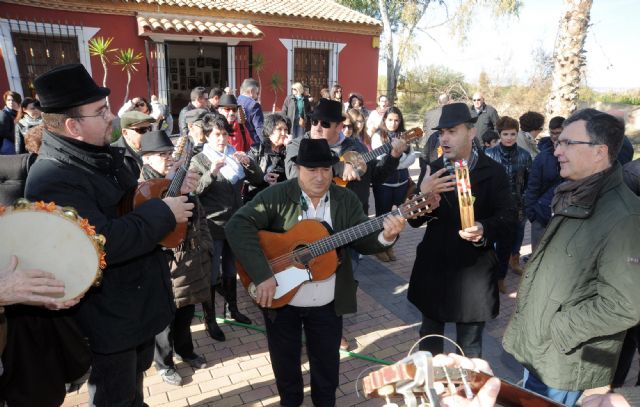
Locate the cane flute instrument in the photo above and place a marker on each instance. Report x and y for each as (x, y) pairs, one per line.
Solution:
(465, 198)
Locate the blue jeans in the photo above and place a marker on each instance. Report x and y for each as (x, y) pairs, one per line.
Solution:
(222, 257)
(566, 397)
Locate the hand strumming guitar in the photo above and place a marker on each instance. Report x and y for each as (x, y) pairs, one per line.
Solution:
(398, 146)
(180, 207)
(190, 182)
(393, 225)
(487, 394)
(349, 173)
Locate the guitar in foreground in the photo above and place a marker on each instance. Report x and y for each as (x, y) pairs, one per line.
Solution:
(359, 161)
(416, 377)
(307, 252)
(163, 188)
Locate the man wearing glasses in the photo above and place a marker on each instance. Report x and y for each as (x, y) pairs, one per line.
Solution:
(134, 125)
(579, 293)
(77, 167)
(486, 114)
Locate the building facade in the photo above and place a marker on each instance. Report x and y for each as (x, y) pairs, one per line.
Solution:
(187, 43)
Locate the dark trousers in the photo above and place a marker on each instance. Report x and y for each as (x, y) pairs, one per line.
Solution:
(629, 346)
(175, 336)
(323, 330)
(385, 197)
(224, 259)
(468, 336)
(116, 378)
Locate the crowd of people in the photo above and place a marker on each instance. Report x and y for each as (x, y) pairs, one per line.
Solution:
(243, 172)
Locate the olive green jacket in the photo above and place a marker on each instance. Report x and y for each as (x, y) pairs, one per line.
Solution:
(580, 292)
(277, 209)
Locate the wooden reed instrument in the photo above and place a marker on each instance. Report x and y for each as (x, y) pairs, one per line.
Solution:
(465, 198)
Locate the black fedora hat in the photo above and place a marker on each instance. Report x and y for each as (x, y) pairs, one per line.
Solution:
(227, 101)
(453, 114)
(155, 141)
(67, 86)
(314, 153)
(328, 111)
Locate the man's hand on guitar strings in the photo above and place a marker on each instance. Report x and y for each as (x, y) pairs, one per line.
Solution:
(349, 173)
(393, 225)
(487, 394)
(436, 183)
(265, 292)
(398, 146)
(180, 207)
(190, 182)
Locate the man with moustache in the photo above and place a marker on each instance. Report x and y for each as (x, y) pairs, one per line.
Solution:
(454, 274)
(77, 167)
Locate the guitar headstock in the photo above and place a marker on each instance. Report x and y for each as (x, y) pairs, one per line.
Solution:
(242, 115)
(417, 205)
(179, 148)
(412, 134)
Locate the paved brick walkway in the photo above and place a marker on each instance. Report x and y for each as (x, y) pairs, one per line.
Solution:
(238, 370)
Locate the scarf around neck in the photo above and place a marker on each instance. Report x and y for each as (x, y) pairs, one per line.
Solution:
(471, 162)
(582, 193)
(232, 170)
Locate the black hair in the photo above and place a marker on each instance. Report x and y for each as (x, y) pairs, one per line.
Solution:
(489, 135)
(556, 122)
(197, 93)
(270, 123)
(215, 92)
(531, 121)
(212, 121)
(384, 132)
(602, 128)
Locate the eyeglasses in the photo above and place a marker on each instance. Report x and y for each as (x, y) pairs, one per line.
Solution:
(142, 130)
(230, 109)
(324, 124)
(477, 100)
(566, 142)
(104, 113)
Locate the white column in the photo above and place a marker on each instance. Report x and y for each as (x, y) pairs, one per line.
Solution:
(231, 67)
(161, 64)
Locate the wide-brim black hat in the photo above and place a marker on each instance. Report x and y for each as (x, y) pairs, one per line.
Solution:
(155, 141)
(67, 86)
(454, 114)
(314, 153)
(328, 111)
(227, 101)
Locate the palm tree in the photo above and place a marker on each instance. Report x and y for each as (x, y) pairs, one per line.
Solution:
(99, 47)
(128, 60)
(276, 85)
(258, 65)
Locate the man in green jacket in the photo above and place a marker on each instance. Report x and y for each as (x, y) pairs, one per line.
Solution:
(318, 305)
(579, 293)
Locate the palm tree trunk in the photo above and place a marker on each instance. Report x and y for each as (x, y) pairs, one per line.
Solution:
(104, 78)
(569, 57)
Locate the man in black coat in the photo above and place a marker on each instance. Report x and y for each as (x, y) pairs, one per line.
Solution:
(454, 274)
(76, 167)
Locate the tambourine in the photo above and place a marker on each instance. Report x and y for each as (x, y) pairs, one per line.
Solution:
(54, 239)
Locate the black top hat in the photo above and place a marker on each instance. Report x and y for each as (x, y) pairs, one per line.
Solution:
(67, 86)
(227, 101)
(328, 111)
(314, 153)
(155, 141)
(453, 114)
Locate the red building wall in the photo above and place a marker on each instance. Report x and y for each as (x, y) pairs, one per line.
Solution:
(357, 68)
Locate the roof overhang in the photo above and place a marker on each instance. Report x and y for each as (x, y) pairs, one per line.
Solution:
(181, 27)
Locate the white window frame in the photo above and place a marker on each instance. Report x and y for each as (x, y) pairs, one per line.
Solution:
(334, 55)
(31, 27)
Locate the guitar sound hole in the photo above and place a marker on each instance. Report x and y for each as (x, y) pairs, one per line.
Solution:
(302, 255)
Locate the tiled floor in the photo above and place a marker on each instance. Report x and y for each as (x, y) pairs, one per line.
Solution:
(386, 326)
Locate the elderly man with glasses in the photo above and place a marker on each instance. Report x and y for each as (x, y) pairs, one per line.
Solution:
(134, 125)
(487, 116)
(579, 292)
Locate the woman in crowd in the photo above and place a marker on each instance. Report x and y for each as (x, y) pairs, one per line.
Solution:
(223, 170)
(29, 116)
(296, 108)
(7, 122)
(358, 120)
(356, 101)
(269, 154)
(336, 94)
(393, 190)
(517, 162)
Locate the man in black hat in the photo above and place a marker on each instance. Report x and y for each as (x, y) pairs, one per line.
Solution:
(134, 125)
(77, 167)
(454, 274)
(326, 124)
(193, 118)
(318, 306)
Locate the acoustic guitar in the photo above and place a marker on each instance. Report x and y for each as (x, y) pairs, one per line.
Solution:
(163, 188)
(415, 377)
(307, 251)
(359, 161)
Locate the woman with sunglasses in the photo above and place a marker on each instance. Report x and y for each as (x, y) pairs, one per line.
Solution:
(29, 116)
(239, 136)
(393, 190)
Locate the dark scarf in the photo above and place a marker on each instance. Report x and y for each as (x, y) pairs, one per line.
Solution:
(471, 162)
(582, 193)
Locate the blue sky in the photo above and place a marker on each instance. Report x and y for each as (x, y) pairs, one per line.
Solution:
(503, 47)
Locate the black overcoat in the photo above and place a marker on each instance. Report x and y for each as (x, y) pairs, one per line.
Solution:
(454, 280)
(134, 301)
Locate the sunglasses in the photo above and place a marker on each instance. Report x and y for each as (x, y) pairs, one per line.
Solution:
(230, 109)
(477, 100)
(142, 130)
(324, 124)
(140, 104)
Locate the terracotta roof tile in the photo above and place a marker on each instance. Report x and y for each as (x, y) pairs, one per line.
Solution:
(323, 10)
(197, 24)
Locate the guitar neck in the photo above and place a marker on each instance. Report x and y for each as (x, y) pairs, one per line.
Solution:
(371, 155)
(181, 173)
